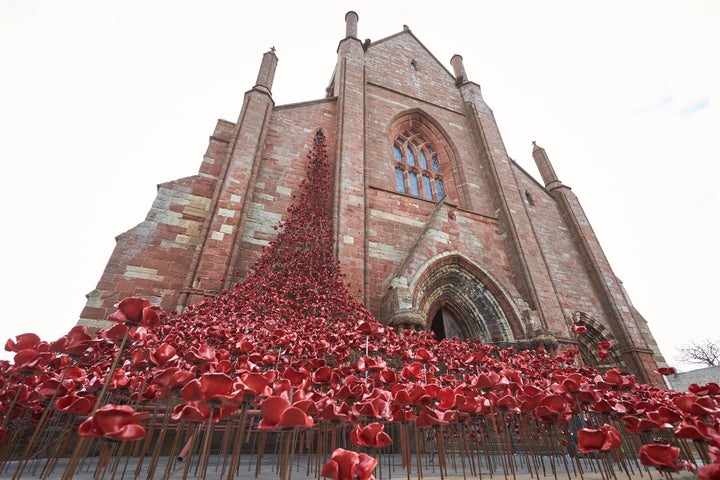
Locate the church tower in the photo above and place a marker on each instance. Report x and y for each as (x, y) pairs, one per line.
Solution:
(436, 227)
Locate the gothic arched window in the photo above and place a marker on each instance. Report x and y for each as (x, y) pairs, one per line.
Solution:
(417, 167)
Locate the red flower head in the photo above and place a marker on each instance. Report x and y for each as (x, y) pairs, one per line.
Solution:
(117, 422)
(137, 311)
(636, 425)
(666, 371)
(604, 345)
(605, 438)
(371, 327)
(73, 403)
(579, 329)
(25, 341)
(664, 457)
(348, 465)
(711, 471)
(75, 342)
(215, 389)
(277, 412)
(370, 436)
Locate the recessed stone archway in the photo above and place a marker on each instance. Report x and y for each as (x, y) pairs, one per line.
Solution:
(472, 302)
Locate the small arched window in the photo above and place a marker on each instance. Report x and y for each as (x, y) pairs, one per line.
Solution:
(417, 167)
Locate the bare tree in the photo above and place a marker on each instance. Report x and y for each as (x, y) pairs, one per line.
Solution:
(699, 351)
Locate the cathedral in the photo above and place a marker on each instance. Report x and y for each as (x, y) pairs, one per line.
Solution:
(435, 227)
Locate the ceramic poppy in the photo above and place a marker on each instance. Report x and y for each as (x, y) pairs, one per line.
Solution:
(277, 412)
(371, 435)
(348, 465)
(116, 422)
(593, 440)
(664, 457)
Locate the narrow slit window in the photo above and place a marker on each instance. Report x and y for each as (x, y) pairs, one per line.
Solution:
(427, 189)
(440, 189)
(423, 160)
(410, 157)
(414, 190)
(397, 154)
(435, 164)
(399, 180)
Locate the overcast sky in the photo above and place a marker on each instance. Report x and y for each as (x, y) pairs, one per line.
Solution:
(101, 101)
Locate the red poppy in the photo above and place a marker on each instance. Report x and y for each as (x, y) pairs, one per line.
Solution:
(636, 425)
(330, 412)
(25, 341)
(710, 388)
(30, 361)
(605, 345)
(371, 435)
(169, 379)
(137, 311)
(73, 403)
(75, 342)
(696, 405)
(591, 440)
(666, 371)
(201, 355)
(553, 409)
(412, 370)
(710, 471)
(664, 414)
(371, 327)
(192, 411)
(215, 389)
(117, 422)
(277, 412)
(693, 431)
(377, 406)
(664, 457)
(349, 465)
(579, 329)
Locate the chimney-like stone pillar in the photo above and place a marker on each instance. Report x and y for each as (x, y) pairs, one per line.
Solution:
(457, 63)
(267, 71)
(547, 172)
(351, 21)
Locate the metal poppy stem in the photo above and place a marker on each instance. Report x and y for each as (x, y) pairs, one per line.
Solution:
(205, 451)
(82, 442)
(38, 428)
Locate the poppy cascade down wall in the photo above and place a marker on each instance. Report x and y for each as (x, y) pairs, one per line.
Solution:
(289, 361)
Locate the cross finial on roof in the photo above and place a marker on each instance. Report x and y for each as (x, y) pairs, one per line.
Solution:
(272, 49)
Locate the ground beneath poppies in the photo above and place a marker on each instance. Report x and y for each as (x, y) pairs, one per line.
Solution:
(266, 468)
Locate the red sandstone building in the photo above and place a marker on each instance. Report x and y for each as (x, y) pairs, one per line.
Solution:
(435, 226)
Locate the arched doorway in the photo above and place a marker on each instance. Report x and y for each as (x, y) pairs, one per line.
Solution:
(459, 300)
(445, 325)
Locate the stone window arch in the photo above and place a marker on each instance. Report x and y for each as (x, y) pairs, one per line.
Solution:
(417, 166)
(588, 342)
(412, 135)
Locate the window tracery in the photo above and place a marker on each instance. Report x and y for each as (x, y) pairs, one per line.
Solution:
(417, 167)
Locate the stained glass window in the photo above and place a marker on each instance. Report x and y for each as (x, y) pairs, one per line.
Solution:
(413, 184)
(427, 190)
(399, 179)
(411, 153)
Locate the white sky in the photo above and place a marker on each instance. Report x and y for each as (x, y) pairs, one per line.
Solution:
(100, 101)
